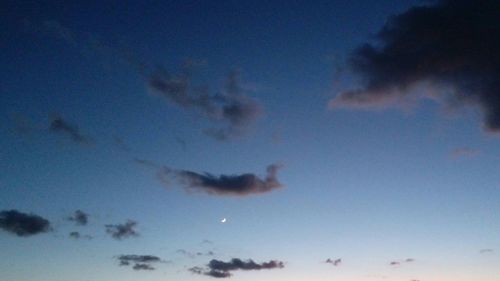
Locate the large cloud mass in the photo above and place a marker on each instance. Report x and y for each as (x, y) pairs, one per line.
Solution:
(452, 47)
(22, 224)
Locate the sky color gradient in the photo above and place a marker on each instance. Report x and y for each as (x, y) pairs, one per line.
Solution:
(338, 140)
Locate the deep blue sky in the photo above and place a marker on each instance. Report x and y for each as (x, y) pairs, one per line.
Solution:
(413, 181)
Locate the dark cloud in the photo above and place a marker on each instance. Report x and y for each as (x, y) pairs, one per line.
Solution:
(77, 235)
(394, 263)
(409, 260)
(230, 107)
(120, 231)
(464, 152)
(221, 269)
(59, 125)
(140, 262)
(239, 185)
(22, 224)
(450, 49)
(79, 217)
(335, 262)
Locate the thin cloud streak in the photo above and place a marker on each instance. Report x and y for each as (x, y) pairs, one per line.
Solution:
(61, 126)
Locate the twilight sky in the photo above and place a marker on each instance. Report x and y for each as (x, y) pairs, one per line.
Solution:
(250, 140)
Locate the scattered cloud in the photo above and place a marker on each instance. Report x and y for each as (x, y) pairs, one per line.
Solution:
(238, 185)
(464, 152)
(120, 231)
(22, 224)
(194, 254)
(399, 262)
(77, 235)
(335, 262)
(79, 217)
(140, 262)
(452, 48)
(486, 251)
(230, 107)
(221, 269)
(61, 126)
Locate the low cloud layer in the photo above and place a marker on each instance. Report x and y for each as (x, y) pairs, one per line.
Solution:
(138, 262)
(221, 269)
(121, 231)
(61, 126)
(234, 110)
(79, 217)
(22, 224)
(238, 185)
(449, 52)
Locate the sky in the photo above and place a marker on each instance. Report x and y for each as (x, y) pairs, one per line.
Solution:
(250, 140)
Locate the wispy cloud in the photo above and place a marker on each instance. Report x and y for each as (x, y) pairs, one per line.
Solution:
(460, 152)
(230, 107)
(455, 59)
(79, 217)
(190, 254)
(120, 231)
(77, 235)
(399, 262)
(61, 126)
(335, 262)
(486, 251)
(22, 224)
(239, 185)
(221, 269)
